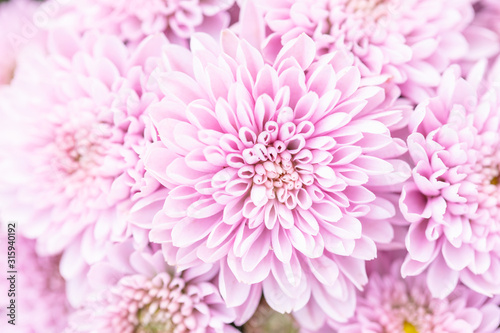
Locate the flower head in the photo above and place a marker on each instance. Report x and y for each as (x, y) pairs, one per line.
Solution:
(136, 291)
(453, 199)
(134, 20)
(410, 41)
(282, 170)
(74, 176)
(392, 304)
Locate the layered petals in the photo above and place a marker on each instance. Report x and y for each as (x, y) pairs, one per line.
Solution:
(274, 168)
(452, 201)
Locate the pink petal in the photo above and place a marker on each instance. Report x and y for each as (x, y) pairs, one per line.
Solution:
(441, 279)
(303, 49)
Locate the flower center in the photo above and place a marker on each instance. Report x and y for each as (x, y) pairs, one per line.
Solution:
(278, 176)
(277, 162)
(487, 175)
(371, 12)
(409, 328)
(363, 6)
(80, 149)
(153, 323)
(159, 306)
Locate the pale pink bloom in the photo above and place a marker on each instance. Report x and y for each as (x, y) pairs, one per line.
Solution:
(390, 303)
(40, 296)
(136, 291)
(283, 170)
(133, 20)
(15, 16)
(453, 201)
(412, 41)
(73, 174)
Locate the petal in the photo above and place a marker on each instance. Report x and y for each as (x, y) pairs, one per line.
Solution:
(326, 211)
(324, 269)
(354, 270)
(180, 86)
(419, 247)
(233, 292)
(302, 49)
(441, 279)
(281, 245)
(190, 230)
(220, 233)
(257, 251)
(457, 258)
(348, 81)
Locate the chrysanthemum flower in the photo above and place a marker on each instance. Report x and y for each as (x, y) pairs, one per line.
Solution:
(133, 20)
(39, 292)
(73, 174)
(392, 304)
(136, 291)
(282, 170)
(453, 200)
(412, 41)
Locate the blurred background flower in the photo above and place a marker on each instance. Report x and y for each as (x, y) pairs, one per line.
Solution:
(452, 201)
(137, 292)
(390, 303)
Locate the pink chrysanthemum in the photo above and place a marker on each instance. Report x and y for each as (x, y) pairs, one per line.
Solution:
(73, 172)
(40, 297)
(14, 15)
(392, 304)
(282, 170)
(412, 41)
(453, 200)
(134, 20)
(138, 292)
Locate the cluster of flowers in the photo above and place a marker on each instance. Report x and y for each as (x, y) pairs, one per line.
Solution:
(252, 166)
